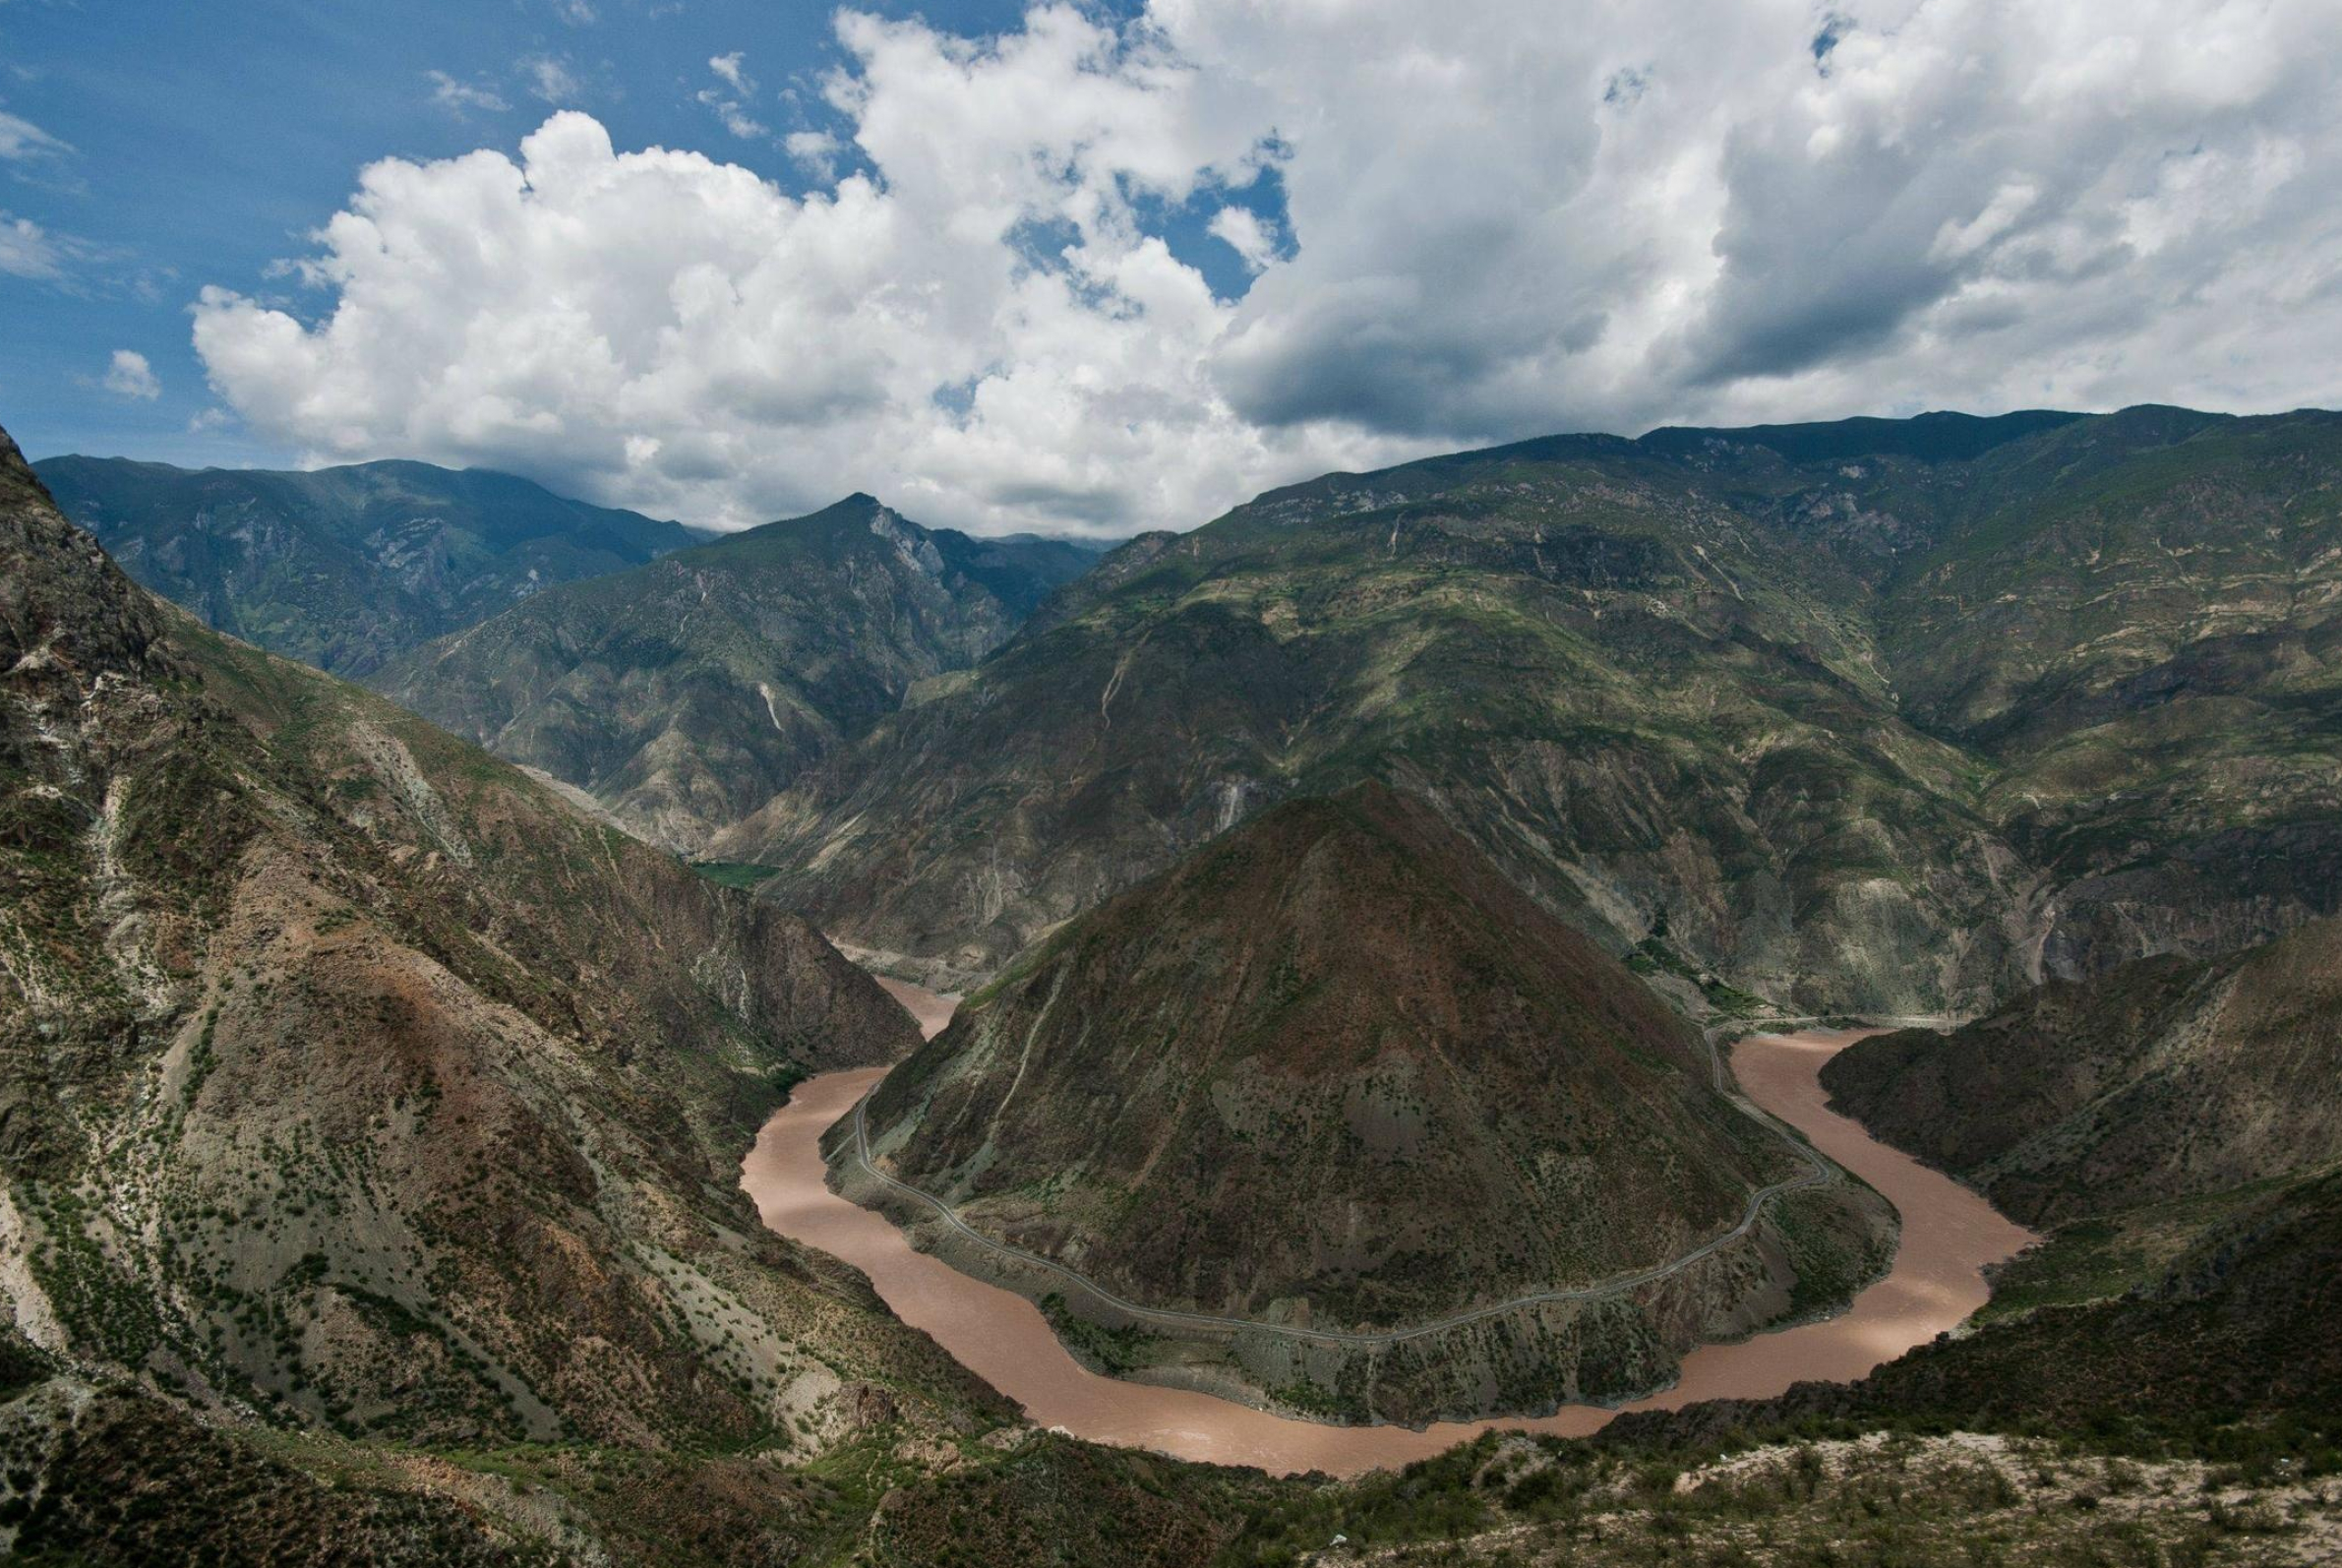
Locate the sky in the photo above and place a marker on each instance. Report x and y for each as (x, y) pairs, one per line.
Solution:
(1091, 269)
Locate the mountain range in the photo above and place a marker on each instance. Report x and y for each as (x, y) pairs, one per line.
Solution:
(1880, 717)
(371, 1106)
(343, 568)
(683, 694)
(351, 1080)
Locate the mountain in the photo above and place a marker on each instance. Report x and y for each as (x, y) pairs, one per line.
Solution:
(1333, 1070)
(685, 694)
(1886, 717)
(352, 1082)
(343, 567)
(451, 989)
(2166, 1078)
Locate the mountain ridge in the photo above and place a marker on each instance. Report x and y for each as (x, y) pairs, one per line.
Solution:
(1823, 715)
(351, 1082)
(684, 693)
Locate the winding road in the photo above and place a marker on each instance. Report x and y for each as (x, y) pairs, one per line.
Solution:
(1950, 1235)
(1817, 1172)
(1814, 1173)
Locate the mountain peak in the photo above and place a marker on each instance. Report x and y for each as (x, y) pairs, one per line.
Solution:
(1339, 1008)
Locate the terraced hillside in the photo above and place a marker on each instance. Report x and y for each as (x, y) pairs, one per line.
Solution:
(344, 567)
(350, 1081)
(683, 694)
(1333, 1073)
(1887, 717)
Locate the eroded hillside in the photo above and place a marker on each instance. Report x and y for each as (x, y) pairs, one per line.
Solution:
(352, 1081)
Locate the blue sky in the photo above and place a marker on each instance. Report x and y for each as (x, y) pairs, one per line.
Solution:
(1094, 265)
(202, 143)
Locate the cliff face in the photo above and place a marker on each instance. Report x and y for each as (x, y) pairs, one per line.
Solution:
(2167, 1078)
(1888, 717)
(685, 694)
(1334, 1070)
(349, 1078)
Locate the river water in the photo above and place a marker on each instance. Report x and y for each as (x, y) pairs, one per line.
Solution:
(1950, 1235)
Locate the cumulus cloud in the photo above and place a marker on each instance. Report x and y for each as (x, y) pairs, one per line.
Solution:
(1491, 228)
(128, 375)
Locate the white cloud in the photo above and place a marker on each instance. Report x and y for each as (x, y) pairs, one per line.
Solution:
(726, 105)
(556, 82)
(729, 67)
(1491, 228)
(1245, 232)
(814, 152)
(576, 13)
(735, 119)
(456, 97)
(128, 375)
(21, 140)
(28, 251)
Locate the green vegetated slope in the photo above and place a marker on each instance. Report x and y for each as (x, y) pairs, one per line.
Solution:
(344, 567)
(358, 1085)
(2155, 1121)
(2165, 1079)
(1333, 1070)
(350, 1081)
(1893, 717)
(685, 694)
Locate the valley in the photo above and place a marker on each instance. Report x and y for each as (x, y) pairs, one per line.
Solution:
(1949, 1238)
(1331, 1117)
(1869, 718)
(682, 693)
(1357, 1148)
(1171, 784)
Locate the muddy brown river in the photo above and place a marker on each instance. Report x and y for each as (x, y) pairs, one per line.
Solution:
(1950, 1235)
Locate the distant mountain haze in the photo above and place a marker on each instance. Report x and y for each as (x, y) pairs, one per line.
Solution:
(683, 694)
(343, 568)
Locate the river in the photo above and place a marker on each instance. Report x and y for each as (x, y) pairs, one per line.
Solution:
(1949, 1235)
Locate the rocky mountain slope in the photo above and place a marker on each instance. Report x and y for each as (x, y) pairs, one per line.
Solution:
(1891, 718)
(469, 1029)
(685, 694)
(1334, 1072)
(2166, 1078)
(343, 568)
(352, 1081)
